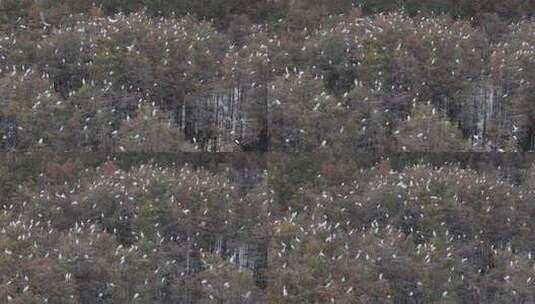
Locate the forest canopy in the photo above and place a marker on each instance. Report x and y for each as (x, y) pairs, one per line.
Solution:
(136, 228)
(267, 151)
(311, 80)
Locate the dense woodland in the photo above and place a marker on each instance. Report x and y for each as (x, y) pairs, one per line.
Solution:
(309, 81)
(256, 228)
(381, 151)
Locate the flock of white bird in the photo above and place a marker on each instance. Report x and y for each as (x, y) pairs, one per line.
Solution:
(182, 44)
(83, 210)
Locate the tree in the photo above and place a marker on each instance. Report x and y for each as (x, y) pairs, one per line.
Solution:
(426, 130)
(149, 131)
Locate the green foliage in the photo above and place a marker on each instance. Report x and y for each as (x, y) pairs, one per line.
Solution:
(425, 130)
(149, 131)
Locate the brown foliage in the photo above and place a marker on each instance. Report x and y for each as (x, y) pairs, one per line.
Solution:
(58, 173)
